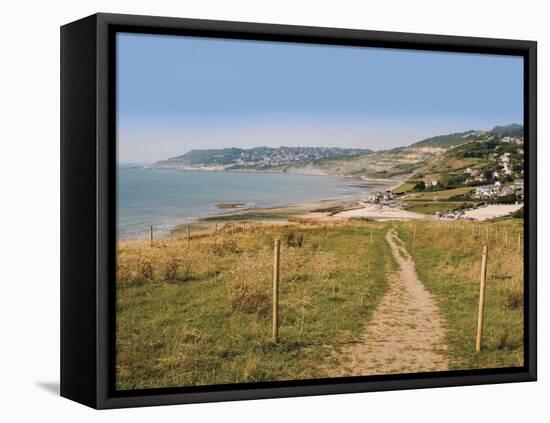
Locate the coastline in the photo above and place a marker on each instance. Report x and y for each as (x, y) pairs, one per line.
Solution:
(317, 211)
(234, 210)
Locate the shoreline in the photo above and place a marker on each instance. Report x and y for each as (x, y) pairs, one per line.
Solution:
(325, 209)
(275, 171)
(320, 210)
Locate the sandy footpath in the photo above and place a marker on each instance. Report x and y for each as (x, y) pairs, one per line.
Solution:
(406, 333)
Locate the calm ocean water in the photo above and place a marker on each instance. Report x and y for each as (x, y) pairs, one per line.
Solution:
(165, 198)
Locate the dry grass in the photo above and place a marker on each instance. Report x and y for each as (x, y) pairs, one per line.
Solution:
(199, 313)
(448, 261)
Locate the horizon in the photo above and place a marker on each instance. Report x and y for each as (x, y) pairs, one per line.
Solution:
(303, 146)
(177, 93)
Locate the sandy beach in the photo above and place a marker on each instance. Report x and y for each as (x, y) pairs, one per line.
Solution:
(324, 209)
(492, 211)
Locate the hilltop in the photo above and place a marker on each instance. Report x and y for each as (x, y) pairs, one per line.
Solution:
(448, 140)
(512, 130)
(438, 155)
(458, 138)
(259, 158)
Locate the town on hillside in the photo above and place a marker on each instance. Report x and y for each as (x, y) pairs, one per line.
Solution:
(477, 180)
(450, 176)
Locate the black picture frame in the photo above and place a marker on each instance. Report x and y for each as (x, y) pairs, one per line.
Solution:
(88, 124)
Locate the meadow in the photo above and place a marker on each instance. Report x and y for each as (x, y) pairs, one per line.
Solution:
(438, 195)
(198, 311)
(448, 262)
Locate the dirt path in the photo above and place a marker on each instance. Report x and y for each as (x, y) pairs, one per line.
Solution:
(406, 333)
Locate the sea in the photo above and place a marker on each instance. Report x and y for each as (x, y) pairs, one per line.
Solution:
(166, 198)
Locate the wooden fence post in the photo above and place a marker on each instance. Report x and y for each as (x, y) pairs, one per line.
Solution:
(276, 256)
(151, 236)
(188, 233)
(482, 283)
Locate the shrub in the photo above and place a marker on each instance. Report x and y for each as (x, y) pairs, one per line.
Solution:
(171, 269)
(248, 298)
(177, 270)
(518, 214)
(293, 240)
(419, 186)
(146, 269)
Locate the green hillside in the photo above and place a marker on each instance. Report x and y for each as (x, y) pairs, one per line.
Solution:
(447, 140)
(470, 164)
(512, 130)
(261, 157)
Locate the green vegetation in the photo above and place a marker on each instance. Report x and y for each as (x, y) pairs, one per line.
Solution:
(403, 188)
(448, 140)
(445, 156)
(512, 130)
(246, 216)
(481, 153)
(432, 207)
(518, 214)
(438, 195)
(199, 313)
(448, 260)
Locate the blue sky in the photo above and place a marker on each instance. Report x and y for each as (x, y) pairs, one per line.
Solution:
(181, 93)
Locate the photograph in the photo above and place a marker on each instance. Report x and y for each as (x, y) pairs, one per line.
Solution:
(291, 211)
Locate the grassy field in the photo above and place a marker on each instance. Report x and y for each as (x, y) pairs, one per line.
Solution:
(448, 261)
(431, 207)
(200, 313)
(405, 187)
(438, 195)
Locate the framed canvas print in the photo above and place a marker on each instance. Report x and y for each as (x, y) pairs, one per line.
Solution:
(255, 211)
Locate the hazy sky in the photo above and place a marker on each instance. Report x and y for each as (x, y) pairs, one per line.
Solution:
(178, 93)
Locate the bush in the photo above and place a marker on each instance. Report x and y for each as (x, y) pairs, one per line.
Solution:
(248, 298)
(293, 240)
(518, 214)
(146, 269)
(506, 199)
(420, 186)
(176, 270)
(171, 269)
